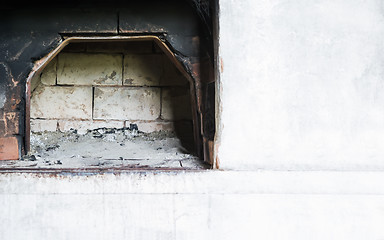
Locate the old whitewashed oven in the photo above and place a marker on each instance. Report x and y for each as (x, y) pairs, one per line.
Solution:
(299, 123)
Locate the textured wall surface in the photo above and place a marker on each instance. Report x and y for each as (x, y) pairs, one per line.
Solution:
(193, 205)
(303, 85)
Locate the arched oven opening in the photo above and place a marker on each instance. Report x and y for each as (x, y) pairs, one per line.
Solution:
(119, 101)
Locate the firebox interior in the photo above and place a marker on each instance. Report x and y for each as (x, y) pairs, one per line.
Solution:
(112, 104)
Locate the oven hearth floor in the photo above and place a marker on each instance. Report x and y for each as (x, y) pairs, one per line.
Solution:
(106, 149)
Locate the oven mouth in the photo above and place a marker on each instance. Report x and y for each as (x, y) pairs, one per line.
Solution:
(170, 55)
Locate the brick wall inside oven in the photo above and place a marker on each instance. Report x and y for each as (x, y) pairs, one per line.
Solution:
(94, 85)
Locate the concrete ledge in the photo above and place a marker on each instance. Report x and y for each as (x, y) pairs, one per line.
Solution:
(193, 205)
(194, 182)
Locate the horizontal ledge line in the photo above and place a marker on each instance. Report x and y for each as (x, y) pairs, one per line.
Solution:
(95, 120)
(118, 86)
(200, 193)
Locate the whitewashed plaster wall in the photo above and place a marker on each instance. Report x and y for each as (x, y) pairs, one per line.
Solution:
(193, 205)
(302, 84)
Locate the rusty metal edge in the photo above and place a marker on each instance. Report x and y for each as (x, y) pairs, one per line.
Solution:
(218, 64)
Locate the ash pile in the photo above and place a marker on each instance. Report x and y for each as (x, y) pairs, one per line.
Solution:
(110, 147)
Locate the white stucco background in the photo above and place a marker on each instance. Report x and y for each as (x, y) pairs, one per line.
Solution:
(302, 84)
(193, 205)
(301, 148)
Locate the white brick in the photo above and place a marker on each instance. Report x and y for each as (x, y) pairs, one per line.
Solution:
(143, 70)
(127, 103)
(35, 81)
(107, 124)
(89, 69)
(48, 76)
(62, 102)
(175, 104)
(172, 76)
(41, 125)
(83, 126)
(153, 126)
